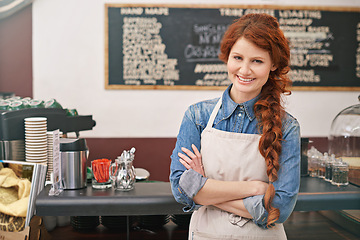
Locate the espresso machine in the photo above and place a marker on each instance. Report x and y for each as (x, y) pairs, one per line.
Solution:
(12, 130)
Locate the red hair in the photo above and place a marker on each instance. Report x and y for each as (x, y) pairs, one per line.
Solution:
(263, 30)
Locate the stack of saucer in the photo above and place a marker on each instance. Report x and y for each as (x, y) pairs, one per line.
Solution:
(36, 140)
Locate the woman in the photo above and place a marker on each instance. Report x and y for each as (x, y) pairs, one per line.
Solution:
(243, 183)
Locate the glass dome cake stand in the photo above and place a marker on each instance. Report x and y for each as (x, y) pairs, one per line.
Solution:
(344, 140)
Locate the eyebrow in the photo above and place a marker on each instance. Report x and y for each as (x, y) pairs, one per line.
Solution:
(257, 57)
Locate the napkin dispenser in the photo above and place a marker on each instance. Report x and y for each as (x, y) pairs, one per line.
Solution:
(73, 157)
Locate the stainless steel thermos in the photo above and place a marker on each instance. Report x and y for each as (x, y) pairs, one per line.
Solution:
(73, 156)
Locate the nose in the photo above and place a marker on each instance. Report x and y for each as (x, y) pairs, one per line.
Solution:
(245, 69)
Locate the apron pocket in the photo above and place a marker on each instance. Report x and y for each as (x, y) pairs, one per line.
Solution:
(237, 220)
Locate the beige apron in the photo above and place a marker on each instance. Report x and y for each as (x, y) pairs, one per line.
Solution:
(230, 156)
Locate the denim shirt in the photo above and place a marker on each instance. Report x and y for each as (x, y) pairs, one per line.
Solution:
(240, 118)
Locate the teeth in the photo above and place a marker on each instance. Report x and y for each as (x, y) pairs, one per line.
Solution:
(245, 79)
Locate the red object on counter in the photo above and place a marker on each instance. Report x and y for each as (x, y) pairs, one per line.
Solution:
(101, 168)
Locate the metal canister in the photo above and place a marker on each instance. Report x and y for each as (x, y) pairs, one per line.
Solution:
(73, 169)
(73, 157)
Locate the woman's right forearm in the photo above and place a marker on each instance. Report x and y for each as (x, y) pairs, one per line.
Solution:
(214, 191)
(236, 207)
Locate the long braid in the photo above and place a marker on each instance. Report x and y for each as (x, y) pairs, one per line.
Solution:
(269, 112)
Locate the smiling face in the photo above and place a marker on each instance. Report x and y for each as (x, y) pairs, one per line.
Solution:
(248, 69)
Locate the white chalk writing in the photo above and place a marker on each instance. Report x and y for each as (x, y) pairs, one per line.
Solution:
(309, 43)
(238, 12)
(215, 75)
(144, 57)
(147, 11)
(206, 48)
(299, 75)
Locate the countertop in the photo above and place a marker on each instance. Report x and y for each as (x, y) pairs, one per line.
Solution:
(155, 198)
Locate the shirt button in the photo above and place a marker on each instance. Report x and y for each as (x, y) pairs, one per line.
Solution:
(239, 115)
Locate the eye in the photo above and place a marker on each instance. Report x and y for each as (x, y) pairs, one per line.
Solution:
(258, 61)
(237, 57)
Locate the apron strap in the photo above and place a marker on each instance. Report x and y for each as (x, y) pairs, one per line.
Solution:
(214, 113)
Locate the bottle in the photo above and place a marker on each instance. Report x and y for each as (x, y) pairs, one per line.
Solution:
(322, 164)
(310, 162)
(313, 157)
(317, 163)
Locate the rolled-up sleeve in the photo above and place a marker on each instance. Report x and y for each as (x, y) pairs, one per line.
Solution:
(287, 185)
(191, 182)
(256, 208)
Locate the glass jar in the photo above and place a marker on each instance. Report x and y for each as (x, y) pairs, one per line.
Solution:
(340, 173)
(321, 165)
(101, 173)
(328, 168)
(122, 171)
(314, 160)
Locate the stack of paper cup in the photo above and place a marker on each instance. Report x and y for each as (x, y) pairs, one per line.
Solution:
(36, 146)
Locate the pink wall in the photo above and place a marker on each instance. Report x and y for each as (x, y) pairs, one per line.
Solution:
(16, 53)
(152, 154)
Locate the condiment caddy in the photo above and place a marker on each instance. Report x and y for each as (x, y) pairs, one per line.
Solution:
(119, 175)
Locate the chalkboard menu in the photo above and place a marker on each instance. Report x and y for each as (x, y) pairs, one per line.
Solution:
(177, 47)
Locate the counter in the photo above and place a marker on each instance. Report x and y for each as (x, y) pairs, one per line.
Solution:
(155, 198)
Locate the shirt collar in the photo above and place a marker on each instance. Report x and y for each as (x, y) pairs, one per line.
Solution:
(229, 106)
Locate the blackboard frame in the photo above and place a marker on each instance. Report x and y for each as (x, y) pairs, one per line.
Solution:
(110, 86)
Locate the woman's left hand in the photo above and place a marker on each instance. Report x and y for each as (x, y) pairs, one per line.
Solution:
(192, 159)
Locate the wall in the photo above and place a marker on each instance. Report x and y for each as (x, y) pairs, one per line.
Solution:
(16, 53)
(68, 58)
(68, 65)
